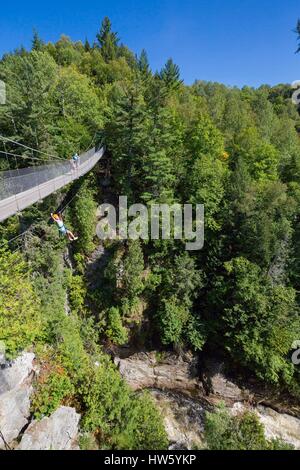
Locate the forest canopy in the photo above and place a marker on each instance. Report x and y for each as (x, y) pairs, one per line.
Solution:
(237, 151)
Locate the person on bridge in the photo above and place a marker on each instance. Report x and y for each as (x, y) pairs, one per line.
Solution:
(75, 161)
(62, 228)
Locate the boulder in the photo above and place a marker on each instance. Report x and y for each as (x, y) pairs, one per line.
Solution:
(15, 391)
(58, 432)
(14, 414)
(15, 374)
(166, 372)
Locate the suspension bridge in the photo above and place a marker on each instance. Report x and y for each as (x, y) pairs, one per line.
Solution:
(21, 188)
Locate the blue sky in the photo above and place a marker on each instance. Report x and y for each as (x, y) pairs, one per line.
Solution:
(236, 42)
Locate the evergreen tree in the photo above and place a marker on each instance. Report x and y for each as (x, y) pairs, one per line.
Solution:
(87, 46)
(107, 40)
(159, 178)
(170, 75)
(128, 138)
(37, 43)
(143, 64)
(258, 321)
(30, 119)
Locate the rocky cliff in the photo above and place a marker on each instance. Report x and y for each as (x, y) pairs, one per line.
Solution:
(183, 396)
(17, 429)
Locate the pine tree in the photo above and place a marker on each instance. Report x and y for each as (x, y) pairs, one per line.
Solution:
(37, 42)
(170, 74)
(32, 117)
(128, 139)
(143, 63)
(159, 178)
(108, 40)
(87, 46)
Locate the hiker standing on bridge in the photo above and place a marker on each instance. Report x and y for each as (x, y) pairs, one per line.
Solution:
(62, 228)
(75, 161)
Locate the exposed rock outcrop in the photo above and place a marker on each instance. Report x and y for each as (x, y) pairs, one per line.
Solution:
(280, 425)
(171, 375)
(166, 372)
(58, 432)
(183, 419)
(14, 375)
(15, 391)
(277, 425)
(219, 386)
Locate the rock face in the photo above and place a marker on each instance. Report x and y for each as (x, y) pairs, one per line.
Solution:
(277, 425)
(280, 425)
(15, 375)
(219, 386)
(58, 432)
(15, 391)
(183, 419)
(169, 372)
(171, 376)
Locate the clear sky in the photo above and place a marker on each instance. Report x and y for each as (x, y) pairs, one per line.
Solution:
(236, 42)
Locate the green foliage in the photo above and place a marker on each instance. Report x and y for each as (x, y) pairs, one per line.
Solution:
(108, 40)
(172, 317)
(234, 150)
(204, 139)
(260, 216)
(77, 293)
(29, 115)
(206, 181)
(77, 372)
(145, 429)
(143, 64)
(159, 178)
(177, 292)
(37, 43)
(170, 75)
(52, 387)
(260, 321)
(115, 331)
(129, 422)
(262, 157)
(241, 432)
(126, 135)
(182, 278)
(78, 111)
(196, 333)
(65, 52)
(205, 171)
(87, 441)
(20, 319)
(133, 266)
(124, 277)
(85, 219)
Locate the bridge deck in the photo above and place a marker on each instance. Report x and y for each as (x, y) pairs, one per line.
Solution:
(15, 203)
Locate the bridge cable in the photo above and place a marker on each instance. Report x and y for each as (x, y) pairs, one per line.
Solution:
(29, 157)
(30, 148)
(69, 202)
